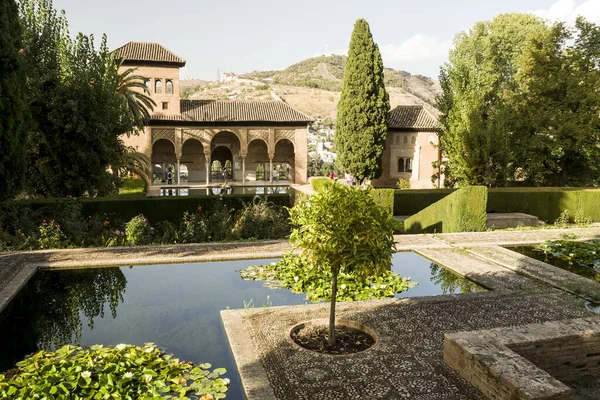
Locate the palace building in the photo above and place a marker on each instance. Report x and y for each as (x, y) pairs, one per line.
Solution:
(201, 141)
(412, 146)
(207, 141)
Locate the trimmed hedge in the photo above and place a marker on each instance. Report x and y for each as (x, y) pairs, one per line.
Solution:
(461, 211)
(385, 198)
(411, 201)
(546, 203)
(320, 183)
(156, 209)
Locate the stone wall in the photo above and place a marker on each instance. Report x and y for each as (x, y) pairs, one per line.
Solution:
(526, 362)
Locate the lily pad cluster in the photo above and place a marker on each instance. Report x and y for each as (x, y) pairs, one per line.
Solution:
(581, 253)
(300, 276)
(119, 372)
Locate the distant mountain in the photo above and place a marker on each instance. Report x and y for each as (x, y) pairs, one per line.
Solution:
(326, 72)
(312, 86)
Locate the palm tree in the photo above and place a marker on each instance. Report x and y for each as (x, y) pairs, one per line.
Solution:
(137, 163)
(139, 103)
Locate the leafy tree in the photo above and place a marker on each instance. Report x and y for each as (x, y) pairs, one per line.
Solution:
(520, 101)
(558, 104)
(362, 114)
(334, 240)
(13, 102)
(477, 119)
(81, 105)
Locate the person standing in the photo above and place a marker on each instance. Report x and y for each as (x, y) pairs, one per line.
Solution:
(332, 176)
(274, 174)
(169, 177)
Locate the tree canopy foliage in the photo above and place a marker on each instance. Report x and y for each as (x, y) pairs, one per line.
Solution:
(80, 106)
(14, 110)
(520, 101)
(362, 114)
(342, 229)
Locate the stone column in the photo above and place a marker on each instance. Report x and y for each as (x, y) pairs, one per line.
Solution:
(243, 169)
(178, 169)
(207, 173)
(416, 164)
(271, 169)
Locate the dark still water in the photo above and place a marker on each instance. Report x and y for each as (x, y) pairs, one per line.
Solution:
(174, 306)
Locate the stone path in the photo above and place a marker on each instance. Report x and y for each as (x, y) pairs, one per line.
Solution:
(407, 363)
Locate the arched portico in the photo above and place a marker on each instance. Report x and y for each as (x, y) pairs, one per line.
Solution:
(247, 153)
(163, 155)
(192, 156)
(284, 160)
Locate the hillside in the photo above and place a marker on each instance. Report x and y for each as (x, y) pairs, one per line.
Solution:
(313, 86)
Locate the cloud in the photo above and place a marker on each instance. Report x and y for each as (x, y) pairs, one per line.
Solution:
(568, 11)
(417, 49)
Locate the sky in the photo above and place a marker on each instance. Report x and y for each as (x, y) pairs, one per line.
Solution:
(256, 35)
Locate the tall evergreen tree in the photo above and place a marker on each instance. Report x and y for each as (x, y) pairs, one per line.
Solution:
(362, 113)
(13, 102)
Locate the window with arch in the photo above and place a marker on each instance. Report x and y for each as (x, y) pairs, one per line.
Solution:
(157, 86)
(408, 165)
(169, 87)
(148, 84)
(405, 139)
(397, 139)
(401, 165)
(413, 140)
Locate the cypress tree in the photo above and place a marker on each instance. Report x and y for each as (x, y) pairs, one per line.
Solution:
(362, 113)
(13, 102)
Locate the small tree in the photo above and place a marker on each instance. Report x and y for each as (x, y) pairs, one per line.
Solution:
(342, 229)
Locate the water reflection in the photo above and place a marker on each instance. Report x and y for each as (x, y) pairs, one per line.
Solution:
(451, 283)
(48, 313)
(219, 191)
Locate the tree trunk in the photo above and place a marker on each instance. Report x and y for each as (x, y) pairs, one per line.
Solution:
(332, 308)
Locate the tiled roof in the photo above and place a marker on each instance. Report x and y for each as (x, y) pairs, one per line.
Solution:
(412, 117)
(236, 111)
(150, 52)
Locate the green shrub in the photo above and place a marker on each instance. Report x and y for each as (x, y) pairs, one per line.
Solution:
(411, 201)
(167, 233)
(193, 227)
(219, 221)
(461, 211)
(138, 231)
(384, 198)
(403, 184)
(261, 219)
(319, 183)
(51, 236)
(546, 203)
(123, 371)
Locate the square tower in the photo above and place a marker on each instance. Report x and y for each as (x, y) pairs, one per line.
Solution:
(160, 67)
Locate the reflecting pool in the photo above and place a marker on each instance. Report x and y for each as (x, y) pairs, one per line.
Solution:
(174, 306)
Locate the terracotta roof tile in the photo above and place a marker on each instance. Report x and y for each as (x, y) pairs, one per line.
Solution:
(151, 52)
(412, 117)
(236, 111)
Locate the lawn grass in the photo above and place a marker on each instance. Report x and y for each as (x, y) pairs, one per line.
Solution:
(132, 188)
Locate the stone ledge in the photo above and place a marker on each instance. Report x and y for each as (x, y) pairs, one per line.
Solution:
(506, 363)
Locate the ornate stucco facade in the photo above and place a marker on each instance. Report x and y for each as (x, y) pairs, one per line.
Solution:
(197, 139)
